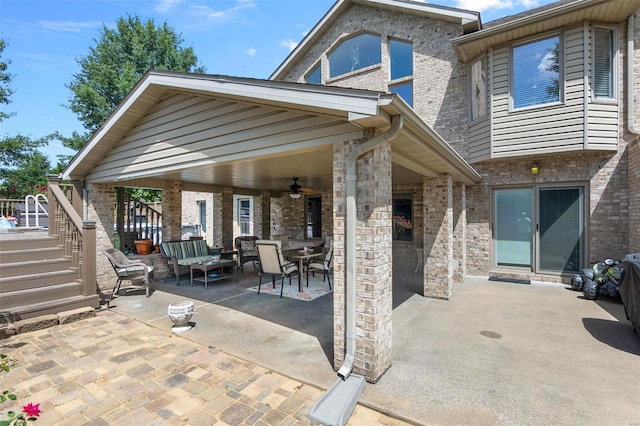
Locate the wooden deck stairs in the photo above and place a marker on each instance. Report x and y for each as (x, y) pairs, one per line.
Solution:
(36, 278)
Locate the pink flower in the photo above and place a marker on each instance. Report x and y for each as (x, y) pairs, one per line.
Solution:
(31, 410)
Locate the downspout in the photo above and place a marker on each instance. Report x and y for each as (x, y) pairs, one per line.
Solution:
(350, 234)
(631, 124)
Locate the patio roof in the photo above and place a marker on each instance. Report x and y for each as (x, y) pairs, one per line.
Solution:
(255, 134)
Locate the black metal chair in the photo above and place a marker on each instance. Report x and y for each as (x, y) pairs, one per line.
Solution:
(324, 266)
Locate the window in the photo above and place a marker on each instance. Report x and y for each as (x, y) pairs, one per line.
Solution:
(202, 206)
(478, 86)
(536, 73)
(402, 219)
(603, 63)
(315, 76)
(405, 91)
(401, 54)
(355, 53)
(244, 215)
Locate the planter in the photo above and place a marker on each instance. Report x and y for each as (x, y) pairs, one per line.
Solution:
(143, 247)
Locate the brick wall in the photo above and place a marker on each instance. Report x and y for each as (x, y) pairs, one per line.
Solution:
(100, 208)
(373, 259)
(439, 83)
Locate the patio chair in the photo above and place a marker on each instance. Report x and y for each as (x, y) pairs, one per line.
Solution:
(129, 270)
(324, 266)
(246, 246)
(273, 264)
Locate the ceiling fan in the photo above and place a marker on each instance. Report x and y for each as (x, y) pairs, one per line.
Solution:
(296, 190)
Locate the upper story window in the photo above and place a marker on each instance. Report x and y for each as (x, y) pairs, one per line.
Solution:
(405, 91)
(355, 53)
(603, 64)
(536, 73)
(315, 76)
(401, 53)
(401, 67)
(478, 87)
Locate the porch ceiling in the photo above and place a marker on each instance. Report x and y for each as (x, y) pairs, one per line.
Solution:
(254, 134)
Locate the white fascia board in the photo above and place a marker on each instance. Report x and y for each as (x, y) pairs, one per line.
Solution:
(67, 173)
(286, 95)
(459, 15)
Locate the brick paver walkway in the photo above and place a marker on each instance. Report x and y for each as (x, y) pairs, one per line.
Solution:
(113, 370)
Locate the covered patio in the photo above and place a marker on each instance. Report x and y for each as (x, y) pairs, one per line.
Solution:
(353, 148)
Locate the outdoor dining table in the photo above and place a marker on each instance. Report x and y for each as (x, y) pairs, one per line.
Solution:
(301, 255)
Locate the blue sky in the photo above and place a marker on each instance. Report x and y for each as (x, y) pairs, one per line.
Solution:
(247, 38)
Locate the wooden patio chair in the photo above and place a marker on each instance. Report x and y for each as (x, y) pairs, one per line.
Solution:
(273, 264)
(129, 270)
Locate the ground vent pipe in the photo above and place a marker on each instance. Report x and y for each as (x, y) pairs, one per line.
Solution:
(350, 236)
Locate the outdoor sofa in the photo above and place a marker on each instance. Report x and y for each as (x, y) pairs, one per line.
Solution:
(184, 253)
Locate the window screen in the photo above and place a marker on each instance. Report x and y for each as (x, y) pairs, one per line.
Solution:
(536, 73)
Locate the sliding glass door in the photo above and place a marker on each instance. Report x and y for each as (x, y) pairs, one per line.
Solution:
(538, 228)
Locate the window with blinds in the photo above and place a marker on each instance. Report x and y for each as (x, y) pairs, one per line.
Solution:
(478, 87)
(536, 73)
(603, 63)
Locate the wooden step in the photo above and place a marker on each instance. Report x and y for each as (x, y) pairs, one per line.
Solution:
(37, 280)
(30, 296)
(26, 241)
(49, 307)
(17, 269)
(12, 256)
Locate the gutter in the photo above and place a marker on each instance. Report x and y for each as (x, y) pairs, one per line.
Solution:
(350, 234)
(631, 124)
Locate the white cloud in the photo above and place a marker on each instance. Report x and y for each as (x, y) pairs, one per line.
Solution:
(166, 5)
(289, 44)
(68, 26)
(250, 52)
(203, 11)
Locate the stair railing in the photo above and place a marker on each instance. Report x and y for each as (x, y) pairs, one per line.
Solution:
(38, 208)
(77, 236)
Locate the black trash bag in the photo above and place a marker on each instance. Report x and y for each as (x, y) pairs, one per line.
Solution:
(577, 282)
(590, 289)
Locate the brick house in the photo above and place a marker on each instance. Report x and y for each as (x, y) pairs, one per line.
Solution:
(506, 149)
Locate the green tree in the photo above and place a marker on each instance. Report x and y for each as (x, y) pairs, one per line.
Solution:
(23, 168)
(116, 63)
(553, 67)
(5, 81)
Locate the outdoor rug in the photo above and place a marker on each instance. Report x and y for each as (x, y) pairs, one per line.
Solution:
(316, 288)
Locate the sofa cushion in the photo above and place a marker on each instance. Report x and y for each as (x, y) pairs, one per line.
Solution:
(186, 249)
(190, 260)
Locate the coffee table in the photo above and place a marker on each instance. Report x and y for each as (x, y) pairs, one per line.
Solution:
(208, 267)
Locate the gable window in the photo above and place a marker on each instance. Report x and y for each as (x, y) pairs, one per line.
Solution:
(405, 91)
(536, 73)
(603, 51)
(315, 76)
(478, 86)
(401, 53)
(355, 53)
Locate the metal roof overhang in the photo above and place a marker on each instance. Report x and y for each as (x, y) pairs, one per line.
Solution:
(293, 150)
(470, 46)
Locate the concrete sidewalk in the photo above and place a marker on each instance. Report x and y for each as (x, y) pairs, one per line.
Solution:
(495, 354)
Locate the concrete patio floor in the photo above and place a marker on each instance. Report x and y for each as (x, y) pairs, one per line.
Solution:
(496, 353)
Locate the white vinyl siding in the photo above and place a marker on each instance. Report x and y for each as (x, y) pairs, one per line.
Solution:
(185, 130)
(547, 129)
(603, 113)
